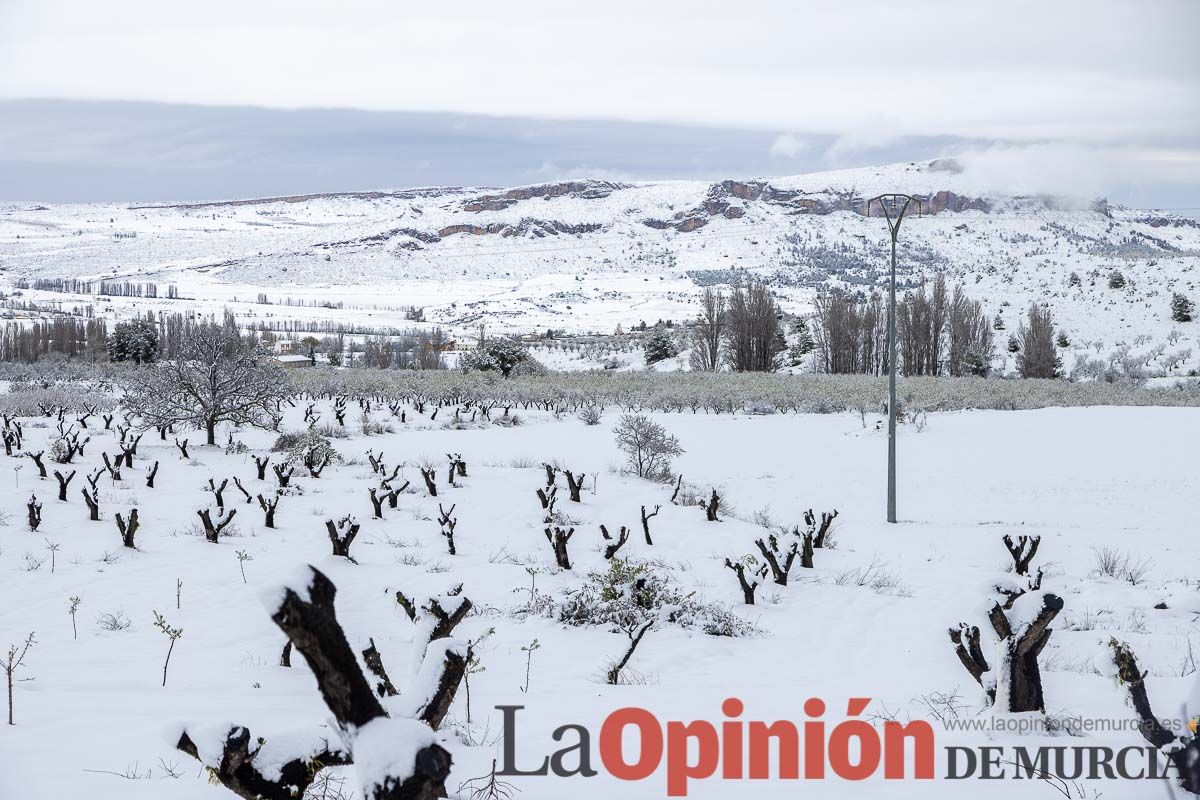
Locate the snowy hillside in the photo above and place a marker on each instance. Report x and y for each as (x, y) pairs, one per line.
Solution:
(588, 255)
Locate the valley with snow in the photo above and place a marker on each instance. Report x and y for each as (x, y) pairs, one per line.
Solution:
(583, 256)
(496, 541)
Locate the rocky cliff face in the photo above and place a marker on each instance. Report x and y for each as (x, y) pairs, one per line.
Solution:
(584, 190)
(730, 199)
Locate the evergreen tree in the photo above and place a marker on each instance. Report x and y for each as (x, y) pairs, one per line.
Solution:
(1181, 308)
(803, 344)
(135, 340)
(506, 356)
(660, 346)
(1116, 280)
(998, 324)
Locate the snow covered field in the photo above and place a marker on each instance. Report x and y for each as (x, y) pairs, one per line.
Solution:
(91, 709)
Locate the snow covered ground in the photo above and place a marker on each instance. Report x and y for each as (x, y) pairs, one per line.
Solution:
(587, 256)
(91, 709)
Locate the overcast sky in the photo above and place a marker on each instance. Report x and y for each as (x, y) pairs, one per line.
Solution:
(1091, 97)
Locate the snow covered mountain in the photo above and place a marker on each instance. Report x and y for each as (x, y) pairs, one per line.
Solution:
(588, 254)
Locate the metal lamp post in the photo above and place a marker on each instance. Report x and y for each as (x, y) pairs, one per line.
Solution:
(894, 206)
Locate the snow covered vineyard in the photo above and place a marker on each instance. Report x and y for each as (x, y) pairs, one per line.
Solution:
(564, 557)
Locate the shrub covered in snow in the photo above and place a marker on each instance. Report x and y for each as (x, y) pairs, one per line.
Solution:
(506, 356)
(629, 593)
(298, 444)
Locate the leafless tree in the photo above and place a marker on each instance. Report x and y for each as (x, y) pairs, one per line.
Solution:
(216, 378)
(712, 507)
(778, 558)
(1021, 641)
(574, 486)
(646, 521)
(1022, 551)
(616, 543)
(820, 533)
(850, 335)
(647, 446)
(218, 492)
(748, 585)
(212, 530)
(635, 634)
(1182, 751)
(448, 524)
(128, 529)
(708, 333)
(970, 349)
(37, 459)
(558, 538)
(93, 504)
(13, 661)
(341, 535)
(283, 473)
(308, 619)
(752, 336)
(1037, 357)
(268, 507)
(33, 512)
(63, 483)
(920, 324)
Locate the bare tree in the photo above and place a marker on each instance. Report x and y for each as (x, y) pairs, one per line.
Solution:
(970, 348)
(617, 543)
(1021, 640)
(753, 336)
(708, 334)
(128, 529)
(11, 663)
(748, 586)
(212, 530)
(63, 483)
(558, 538)
(850, 333)
(268, 507)
(448, 524)
(712, 507)
(306, 615)
(430, 476)
(1183, 751)
(635, 634)
(1037, 357)
(647, 446)
(283, 473)
(780, 559)
(646, 520)
(216, 378)
(574, 486)
(920, 323)
(341, 535)
(33, 512)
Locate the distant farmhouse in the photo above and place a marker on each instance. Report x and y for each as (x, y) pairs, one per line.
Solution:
(294, 361)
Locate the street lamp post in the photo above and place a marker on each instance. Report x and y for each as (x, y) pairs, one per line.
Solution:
(894, 206)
